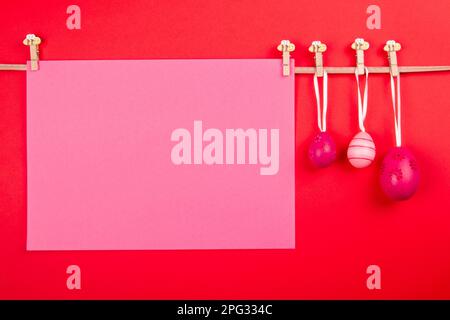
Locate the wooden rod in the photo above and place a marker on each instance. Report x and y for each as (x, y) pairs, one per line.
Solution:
(301, 70)
(351, 70)
(13, 67)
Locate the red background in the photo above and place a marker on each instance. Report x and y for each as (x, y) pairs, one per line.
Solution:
(343, 221)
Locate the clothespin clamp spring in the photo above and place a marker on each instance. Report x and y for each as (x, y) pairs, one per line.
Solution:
(33, 42)
(360, 46)
(286, 47)
(391, 48)
(318, 48)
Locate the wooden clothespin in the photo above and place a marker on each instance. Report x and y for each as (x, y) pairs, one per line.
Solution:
(286, 47)
(318, 48)
(360, 46)
(33, 42)
(391, 48)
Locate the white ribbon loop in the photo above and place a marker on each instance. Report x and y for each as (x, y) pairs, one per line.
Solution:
(396, 104)
(362, 103)
(321, 115)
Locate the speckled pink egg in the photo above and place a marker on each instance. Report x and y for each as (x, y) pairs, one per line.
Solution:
(361, 150)
(322, 151)
(399, 174)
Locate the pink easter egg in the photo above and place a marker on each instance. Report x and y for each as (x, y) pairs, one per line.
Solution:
(400, 175)
(361, 150)
(322, 151)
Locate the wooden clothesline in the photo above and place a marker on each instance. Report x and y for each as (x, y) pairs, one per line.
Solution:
(285, 47)
(303, 70)
(13, 67)
(351, 70)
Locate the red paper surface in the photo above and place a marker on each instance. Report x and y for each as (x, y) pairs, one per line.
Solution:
(343, 221)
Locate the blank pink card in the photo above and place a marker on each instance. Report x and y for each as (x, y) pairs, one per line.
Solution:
(160, 154)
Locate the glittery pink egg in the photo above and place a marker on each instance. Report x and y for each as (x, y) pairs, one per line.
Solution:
(399, 174)
(322, 151)
(361, 150)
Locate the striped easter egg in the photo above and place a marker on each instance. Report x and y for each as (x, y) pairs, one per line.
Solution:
(361, 150)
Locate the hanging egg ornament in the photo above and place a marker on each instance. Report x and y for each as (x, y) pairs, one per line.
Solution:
(399, 177)
(361, 150)
(400, 174)
(322, 151)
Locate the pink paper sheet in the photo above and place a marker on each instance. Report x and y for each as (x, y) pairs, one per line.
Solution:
(103, 173)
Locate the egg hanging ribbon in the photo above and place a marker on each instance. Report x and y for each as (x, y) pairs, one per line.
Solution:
(322, 151)
(400, 175)
(361, 150)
